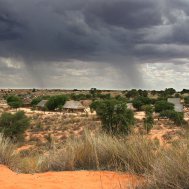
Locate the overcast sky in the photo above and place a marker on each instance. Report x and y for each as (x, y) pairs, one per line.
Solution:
(108, 44)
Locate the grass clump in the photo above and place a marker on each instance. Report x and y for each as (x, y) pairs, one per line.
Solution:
(171, 168)
(7, 152)
(103, 152)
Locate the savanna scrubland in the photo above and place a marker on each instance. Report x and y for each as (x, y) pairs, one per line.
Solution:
(135, 133)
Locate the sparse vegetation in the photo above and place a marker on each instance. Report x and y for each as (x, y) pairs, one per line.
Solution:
(14, 125)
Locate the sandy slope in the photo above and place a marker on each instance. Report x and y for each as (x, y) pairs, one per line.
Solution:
(66, 180)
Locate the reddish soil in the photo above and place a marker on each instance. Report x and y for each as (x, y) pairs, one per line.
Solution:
(67, 180)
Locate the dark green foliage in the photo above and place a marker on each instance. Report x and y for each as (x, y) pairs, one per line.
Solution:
(14, 125)
(141, 101)
(103, 96)
(170, 91)
(33, 90)
(148, 109)
(55, 102)
(93, 92)
(184, 91)
(14, 101)
(78, 97)
(121, 98)
(163, 105)
(186, 100)
(132, 93)
(149, 120)
(114, 115)
(143, 93)
(177, 117)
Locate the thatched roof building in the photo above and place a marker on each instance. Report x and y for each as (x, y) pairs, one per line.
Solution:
(42, 104)
(73, 106)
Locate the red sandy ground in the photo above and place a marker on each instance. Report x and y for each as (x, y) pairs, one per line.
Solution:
(66, 180)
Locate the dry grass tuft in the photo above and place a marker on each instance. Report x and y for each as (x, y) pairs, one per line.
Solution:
(103, 152)
(171, 169)
(7, 152)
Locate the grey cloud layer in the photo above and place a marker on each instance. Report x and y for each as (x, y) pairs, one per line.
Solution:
(93, 29)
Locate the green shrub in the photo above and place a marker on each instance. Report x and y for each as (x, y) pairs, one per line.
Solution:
(114, 115)
(55, 102)
(141, 101)
(14, 101)
(177, 117)
(163, 105)
(186, 100)
(14, 125)
(148, 122)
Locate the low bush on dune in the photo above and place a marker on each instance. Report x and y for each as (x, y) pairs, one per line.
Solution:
(14, 125)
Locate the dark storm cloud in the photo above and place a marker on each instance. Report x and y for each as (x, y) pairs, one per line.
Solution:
(120, 32)
(89, 29)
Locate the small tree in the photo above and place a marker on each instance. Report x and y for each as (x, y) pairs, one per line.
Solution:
(149, 120)
(114, 115)
(14, 101)
(148, 123)
(170, 91)
(14, 125)
(141, 101)
(163, 105)
(132, 93)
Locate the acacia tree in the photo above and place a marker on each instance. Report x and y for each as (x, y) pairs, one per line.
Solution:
(114, 115)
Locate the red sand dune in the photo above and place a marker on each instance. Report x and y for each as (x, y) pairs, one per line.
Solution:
(66, 180)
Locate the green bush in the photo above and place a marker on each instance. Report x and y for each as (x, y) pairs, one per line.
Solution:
(148, 109)
(78, 97)
(132, 93)
(177, 117)
(114, 115)
(55, 102)
(163, 105)
(14, 125)
(148, 123)
(186, 100)
(141, 101)
(14, 101)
